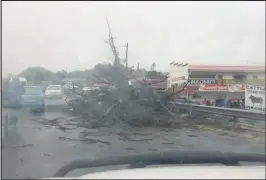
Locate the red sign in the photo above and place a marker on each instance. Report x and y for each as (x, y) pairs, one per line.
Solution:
(212, 87)
(189, 90)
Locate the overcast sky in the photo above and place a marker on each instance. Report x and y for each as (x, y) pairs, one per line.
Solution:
(70, 35)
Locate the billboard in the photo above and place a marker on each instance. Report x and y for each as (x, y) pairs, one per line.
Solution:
(178, 74)
(255, 98)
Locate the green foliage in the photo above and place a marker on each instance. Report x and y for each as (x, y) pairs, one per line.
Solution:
(155, 75)
(35, 75)
(61, 74)
(153, 66)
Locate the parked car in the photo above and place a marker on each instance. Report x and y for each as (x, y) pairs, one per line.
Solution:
(69, 87)
(33, 98)
(45, 84)
(89, 88)
(23, 81)
(54, 91)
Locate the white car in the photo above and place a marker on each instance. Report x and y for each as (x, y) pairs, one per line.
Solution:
(86, 89)
(173, 165)
(54, 91)
(69, 86)
(180, 172)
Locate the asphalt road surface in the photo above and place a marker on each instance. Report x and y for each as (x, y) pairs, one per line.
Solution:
(55, 102)
(40, 144)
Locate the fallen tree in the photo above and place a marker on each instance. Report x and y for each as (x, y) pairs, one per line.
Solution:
(137, 105)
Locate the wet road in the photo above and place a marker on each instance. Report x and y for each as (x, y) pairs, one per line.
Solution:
(55, 102)
(40, 144)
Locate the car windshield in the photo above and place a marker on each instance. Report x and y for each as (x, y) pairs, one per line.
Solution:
(127, 78)
(54, 88)
(32, 90)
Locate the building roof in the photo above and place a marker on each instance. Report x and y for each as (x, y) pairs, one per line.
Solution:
(211, 68)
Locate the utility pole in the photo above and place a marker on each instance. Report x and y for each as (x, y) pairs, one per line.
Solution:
(126, 55)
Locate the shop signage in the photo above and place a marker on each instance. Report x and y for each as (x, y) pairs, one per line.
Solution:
(255, 98)
(202, 81)
(212, 87)
(236, 88)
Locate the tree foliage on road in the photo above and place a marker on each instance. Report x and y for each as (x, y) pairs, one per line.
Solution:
(139, 105)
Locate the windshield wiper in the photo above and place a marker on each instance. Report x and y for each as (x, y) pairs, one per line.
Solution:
(159, 158)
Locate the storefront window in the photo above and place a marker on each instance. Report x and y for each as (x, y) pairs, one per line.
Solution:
(220, 80)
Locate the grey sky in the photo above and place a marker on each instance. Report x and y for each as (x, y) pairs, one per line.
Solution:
(70, 35)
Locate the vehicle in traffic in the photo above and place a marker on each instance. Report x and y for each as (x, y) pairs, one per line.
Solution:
(33, 98)
(227, 166)
(23, 81)
(45, 84)
(89, 88)
(54, 92)
(69, 87)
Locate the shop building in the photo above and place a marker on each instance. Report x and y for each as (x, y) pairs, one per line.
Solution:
(214, 81)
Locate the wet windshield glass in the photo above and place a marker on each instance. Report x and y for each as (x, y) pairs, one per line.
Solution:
(123, 78)
(32, 90)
